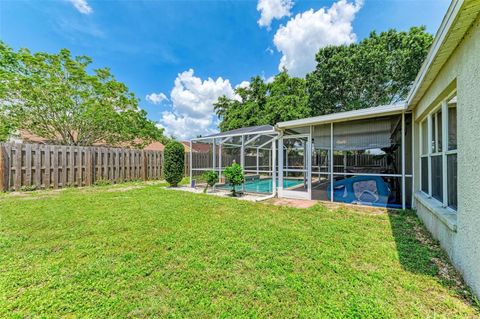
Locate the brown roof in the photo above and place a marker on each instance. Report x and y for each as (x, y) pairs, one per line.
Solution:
(197, 147)
(155, 146)
(28, 137)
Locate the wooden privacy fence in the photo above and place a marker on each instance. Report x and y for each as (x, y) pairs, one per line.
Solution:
(33, 166)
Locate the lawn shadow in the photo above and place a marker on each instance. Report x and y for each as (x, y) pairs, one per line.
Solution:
(419, 253)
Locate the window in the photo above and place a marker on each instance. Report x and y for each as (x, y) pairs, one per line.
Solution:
(424, 155)
(437, 177)
(436, 129)
(438, 154)
(452, 154)
(452, 180)
(452, 126)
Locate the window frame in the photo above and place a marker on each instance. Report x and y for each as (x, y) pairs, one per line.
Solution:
(423, 154)
(445, 151)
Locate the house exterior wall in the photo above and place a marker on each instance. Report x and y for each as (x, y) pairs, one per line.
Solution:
(459, 235)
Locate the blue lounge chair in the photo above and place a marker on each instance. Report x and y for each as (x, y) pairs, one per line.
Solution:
(365, 190)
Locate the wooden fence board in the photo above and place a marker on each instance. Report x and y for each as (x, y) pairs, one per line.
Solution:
(3, 169)
(38, 165)
(18, 167)
(47, 167)
(55, 163)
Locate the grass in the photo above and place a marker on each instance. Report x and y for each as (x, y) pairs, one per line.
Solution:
(140, 251)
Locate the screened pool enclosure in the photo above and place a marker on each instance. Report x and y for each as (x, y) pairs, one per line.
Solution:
(254, 148)
(359, 157)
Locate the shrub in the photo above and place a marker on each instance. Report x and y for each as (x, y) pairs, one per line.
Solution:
(211, 177)
(174, 162)
(234, 176)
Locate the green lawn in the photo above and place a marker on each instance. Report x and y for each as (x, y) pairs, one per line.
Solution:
(142, 251)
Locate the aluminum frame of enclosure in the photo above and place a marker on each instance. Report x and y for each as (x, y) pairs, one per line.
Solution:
(247, 136)
(331, 120)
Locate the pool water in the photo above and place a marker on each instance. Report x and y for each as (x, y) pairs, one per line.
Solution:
(263, 185)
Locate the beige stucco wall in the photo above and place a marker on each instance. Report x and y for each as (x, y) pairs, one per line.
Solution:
(463, 71)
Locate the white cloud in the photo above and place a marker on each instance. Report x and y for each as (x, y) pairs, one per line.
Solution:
(195, 97)
(243, 84)
(192, 102)
(184, 127)
(82, 6)
(303, 35)
(156, 98)
(273, 9)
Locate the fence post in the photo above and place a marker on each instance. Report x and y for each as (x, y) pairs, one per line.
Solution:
(3, 169)
(18, 166)
(162, 164)
(144, 166)
(89, 161)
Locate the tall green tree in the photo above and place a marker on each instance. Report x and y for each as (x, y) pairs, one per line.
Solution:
(6, 128)
(378, 70)
(247, 109)
(287, 99)
(264, 103)
(55, 97)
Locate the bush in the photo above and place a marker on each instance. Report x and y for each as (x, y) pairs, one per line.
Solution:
(174, 162)
(234, 176)
(211, 177)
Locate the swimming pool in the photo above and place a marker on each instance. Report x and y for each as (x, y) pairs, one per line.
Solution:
(263, 185)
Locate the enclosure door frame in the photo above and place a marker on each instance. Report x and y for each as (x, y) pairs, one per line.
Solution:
(306, 170)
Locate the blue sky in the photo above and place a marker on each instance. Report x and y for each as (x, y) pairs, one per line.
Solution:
(190, 52)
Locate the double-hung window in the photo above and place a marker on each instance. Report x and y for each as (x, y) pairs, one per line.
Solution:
(438, 154)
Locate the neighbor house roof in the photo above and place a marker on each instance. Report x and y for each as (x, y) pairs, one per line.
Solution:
(27, 137)
(456, 22)
(197, 147)
(345, 116)
(154, 146)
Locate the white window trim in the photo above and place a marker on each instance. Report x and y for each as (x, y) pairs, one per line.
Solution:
(443, 106)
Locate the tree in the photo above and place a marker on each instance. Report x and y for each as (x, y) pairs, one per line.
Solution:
(6, 128)
(378, 70)
(54, 96)
(174, 156)
(246, 109)
(264, 103)
(234, 176)
(287, 99)
(211, 178)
